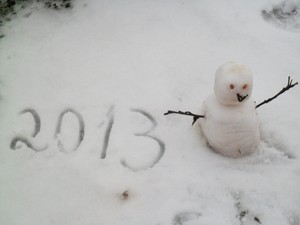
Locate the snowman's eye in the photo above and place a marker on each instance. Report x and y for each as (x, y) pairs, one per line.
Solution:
(231, 86)
(245, 86)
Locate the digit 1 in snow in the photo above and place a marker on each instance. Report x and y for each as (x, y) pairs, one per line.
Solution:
(110, 124)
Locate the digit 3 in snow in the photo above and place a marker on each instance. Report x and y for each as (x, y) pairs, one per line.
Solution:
(147, 134)
(229, 120)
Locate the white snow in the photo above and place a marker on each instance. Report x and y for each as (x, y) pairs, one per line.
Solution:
(120, 65)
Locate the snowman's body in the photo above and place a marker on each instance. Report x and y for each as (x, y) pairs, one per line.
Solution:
(230, 124)
(230, 130)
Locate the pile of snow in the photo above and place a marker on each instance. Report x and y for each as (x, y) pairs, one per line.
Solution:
(83, 139)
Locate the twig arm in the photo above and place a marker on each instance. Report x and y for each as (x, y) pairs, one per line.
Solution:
(186, 113)
(289, 85)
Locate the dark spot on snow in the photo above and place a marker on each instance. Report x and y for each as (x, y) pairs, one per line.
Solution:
(289, 155)
(283, 17)
(257, 220)
(183, 217)
(125, 195)
(242, 212)
(27, 15)
(58, 4)
(10, 8)
(294, 219)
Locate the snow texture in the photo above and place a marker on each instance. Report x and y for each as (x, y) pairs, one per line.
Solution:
(83, 138)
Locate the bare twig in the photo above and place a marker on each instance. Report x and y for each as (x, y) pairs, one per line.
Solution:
(186, 113)
(289, 85)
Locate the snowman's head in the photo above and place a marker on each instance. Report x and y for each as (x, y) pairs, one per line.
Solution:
(233, 83)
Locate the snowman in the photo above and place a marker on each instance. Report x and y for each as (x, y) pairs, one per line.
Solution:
(228, 120)
(231, 124)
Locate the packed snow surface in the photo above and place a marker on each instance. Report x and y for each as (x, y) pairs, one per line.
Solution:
(83, 138)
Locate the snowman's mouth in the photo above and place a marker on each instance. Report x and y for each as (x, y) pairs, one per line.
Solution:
(241, 98)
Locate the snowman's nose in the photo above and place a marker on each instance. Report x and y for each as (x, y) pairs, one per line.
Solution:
(240, 97)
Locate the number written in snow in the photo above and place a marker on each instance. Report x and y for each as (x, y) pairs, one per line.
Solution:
(81, 132)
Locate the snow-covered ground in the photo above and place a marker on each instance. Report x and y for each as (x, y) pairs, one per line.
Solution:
(83, 138)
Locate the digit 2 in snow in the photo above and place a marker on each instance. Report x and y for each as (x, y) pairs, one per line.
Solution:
(110, 116)
(37, 128)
